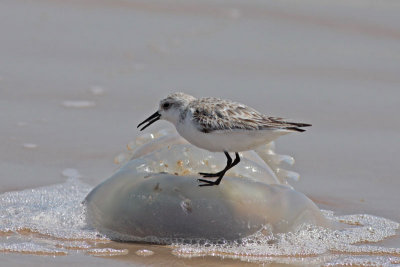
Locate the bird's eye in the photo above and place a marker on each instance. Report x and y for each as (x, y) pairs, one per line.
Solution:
(166, 105)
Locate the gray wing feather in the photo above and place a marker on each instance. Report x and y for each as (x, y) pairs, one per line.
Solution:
(214, 114)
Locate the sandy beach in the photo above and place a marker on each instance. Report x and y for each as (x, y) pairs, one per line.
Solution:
(76, 77)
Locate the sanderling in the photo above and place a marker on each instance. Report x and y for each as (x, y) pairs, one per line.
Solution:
(219, 125)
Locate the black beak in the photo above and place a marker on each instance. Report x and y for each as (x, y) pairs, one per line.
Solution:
(153, 118)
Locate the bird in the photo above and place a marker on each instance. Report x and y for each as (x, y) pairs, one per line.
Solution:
(220, 125)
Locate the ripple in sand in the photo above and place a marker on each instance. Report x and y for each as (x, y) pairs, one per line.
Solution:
(78, 104)
(30, 145)
(97, 90)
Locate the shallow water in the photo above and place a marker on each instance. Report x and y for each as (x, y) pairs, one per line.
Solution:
(332, 64)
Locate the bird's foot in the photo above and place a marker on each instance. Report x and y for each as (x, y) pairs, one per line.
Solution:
(206, 175)
(208, 183)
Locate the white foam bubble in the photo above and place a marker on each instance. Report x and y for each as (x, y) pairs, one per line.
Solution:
(54, 210)
(31, 220)
(74, 244)
(107, 252)
(315, 245)
(31, 248)
(363, 261)
(144, 252)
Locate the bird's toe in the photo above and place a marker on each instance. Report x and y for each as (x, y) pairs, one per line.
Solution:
(207, 183)
(205, 174)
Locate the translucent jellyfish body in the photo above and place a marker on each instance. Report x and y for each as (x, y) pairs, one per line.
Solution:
(155, 195)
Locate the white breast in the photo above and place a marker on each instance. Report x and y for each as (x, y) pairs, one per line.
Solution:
(231, 141)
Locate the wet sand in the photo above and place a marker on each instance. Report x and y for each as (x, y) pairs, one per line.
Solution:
(335, 65)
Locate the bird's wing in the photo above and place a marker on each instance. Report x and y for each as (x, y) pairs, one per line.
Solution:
(214, 114)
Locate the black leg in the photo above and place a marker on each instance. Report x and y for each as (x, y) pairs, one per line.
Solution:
(236, 161)
(229, 165)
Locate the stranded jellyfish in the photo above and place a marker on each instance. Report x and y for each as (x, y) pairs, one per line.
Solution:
(154, 196)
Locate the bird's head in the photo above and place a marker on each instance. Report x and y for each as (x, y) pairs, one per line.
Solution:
(170, 109)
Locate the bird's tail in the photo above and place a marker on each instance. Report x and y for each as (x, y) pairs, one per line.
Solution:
(294, 126)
